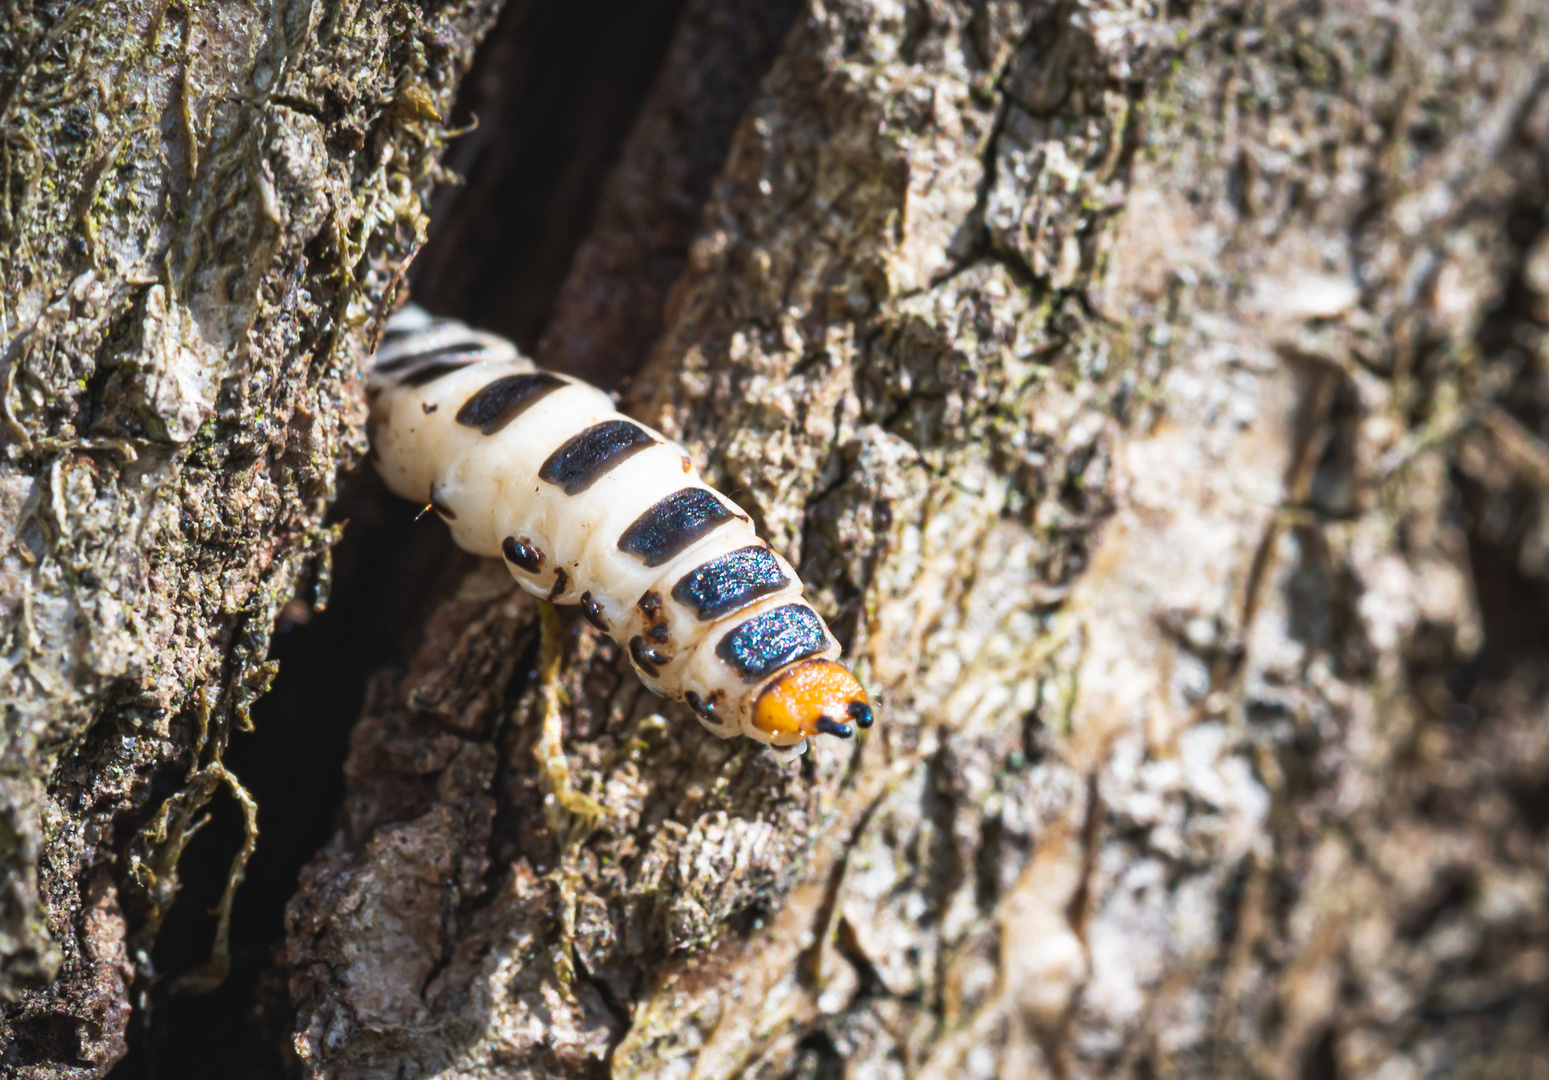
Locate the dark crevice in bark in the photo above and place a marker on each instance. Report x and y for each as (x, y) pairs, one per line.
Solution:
(388, 572)
(817, 1058)
(555, 92)
(619, 1008)
(1501, 517)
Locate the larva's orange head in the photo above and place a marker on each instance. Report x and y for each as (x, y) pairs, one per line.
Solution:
(816, 698)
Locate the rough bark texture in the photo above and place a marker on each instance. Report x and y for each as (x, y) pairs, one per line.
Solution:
(1153, 396)
(203, 210)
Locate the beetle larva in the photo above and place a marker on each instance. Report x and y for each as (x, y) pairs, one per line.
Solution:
(589, 507)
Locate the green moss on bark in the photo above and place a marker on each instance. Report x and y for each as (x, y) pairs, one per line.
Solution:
(203, 210)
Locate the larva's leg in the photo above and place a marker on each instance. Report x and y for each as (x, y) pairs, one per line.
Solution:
(562, 798)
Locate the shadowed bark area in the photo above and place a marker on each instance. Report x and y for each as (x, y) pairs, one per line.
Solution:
(549, 100)
(609, 310)
(1153, 400)
(204, 208)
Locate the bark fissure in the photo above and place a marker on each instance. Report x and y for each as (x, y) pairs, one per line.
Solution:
(1152, 397)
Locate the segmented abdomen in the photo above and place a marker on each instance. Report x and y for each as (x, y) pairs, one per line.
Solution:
(587, 506)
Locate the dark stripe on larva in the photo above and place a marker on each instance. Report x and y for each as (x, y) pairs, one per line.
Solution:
(733, 581)
(588, 457)
(466, 350)
(667, 529)
(508, 397)
(770, 640)
(398, 333)
(431, 372)
(561, 583)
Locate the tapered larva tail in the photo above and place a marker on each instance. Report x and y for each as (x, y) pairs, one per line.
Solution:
(589, 507)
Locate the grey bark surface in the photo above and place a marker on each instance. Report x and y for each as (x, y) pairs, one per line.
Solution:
(1153, 398)
(205, 208)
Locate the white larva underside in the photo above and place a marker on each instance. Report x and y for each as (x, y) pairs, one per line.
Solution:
(486, 481)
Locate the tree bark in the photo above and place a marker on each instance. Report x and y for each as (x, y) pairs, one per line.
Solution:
(205, 210)
(1152, 397)
(1153, 400)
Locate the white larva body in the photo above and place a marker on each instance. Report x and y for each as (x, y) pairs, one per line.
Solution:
(588, 506)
